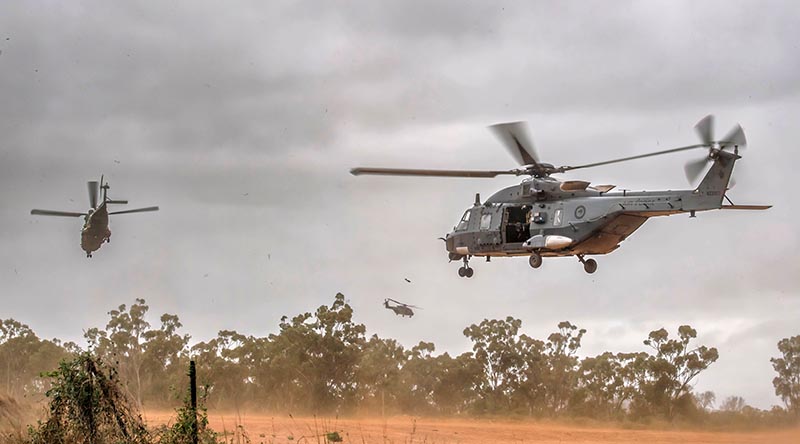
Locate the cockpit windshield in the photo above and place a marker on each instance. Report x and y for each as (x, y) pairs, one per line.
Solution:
(464, 221)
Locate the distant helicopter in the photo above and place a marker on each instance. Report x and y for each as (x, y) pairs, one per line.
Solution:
(547, 217)
(95, 229)
(400, 308)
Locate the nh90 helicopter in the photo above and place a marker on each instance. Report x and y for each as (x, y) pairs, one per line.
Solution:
(399, 308)
(95, 229)
(547, 217)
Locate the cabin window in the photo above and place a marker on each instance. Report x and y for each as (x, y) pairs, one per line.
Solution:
(464, 221)
(557, 216)
(486, 221)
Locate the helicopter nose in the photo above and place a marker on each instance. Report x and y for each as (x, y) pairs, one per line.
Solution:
(449, 243)
(454, 253)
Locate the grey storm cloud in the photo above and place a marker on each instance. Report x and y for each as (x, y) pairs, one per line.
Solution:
(242, 119)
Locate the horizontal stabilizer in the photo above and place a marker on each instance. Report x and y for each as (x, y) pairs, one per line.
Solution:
(746, 207)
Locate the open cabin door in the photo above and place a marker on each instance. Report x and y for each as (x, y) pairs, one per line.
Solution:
(516, 226)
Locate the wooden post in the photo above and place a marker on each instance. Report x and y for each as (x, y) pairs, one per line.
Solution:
(193, 398)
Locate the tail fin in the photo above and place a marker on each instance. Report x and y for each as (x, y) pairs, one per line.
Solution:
(715, 183)
(709, 194)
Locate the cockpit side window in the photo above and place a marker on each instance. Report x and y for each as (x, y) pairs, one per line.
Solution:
(464, 221)
(486, 221)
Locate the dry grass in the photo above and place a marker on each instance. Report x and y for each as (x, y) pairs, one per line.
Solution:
(273, 428)
(14, 416)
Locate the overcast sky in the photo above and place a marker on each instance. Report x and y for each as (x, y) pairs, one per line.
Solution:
(241, 121)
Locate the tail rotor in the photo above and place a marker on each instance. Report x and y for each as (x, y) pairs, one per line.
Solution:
(734, 140)
(105, 187)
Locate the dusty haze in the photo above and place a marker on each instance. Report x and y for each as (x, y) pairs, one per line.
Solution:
(241, 120)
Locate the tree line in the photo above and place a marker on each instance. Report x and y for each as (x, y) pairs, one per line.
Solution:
(323, 361)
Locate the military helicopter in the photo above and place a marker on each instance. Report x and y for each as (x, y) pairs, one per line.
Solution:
(546, 217)
(400, 309)
(95, 229)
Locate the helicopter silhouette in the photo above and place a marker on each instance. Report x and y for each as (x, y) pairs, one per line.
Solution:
(400, 308)
(547, 217)
(95, 229)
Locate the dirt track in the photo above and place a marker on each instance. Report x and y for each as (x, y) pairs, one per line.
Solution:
(284, 429)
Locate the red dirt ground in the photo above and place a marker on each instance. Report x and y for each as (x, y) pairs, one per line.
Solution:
(267, 428)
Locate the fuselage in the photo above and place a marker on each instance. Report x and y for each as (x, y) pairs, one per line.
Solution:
(555, 218)
(400, 310)
(95, 229)
(575, 224)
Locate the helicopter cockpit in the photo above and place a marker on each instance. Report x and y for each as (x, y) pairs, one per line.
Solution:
(463, 224)
(87, 217)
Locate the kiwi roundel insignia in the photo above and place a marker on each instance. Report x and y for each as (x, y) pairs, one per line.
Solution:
(580, 212)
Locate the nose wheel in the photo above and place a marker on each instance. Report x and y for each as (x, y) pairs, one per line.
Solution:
(466, 271)
(589, 265)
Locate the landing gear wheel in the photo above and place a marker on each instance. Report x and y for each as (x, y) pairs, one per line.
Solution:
(535, 260)
(590, 266)
(465, 271)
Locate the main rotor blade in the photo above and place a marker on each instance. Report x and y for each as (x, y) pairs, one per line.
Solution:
(56, 213)
(705, 129)
(431, 173)
(734, 138)
(694, 168)
(138, 210)
(93, 192)
(514, 136)
(624, 159)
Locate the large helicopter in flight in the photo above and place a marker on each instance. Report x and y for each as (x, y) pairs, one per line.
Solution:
(399, 308)
(95, 229)
(546, 217)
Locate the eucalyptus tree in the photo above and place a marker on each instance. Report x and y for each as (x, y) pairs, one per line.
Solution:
(562, 365)
(318, 355)
(787, 383)
(509, 361)
(379, 373)
(673, 367)
(23, 357)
